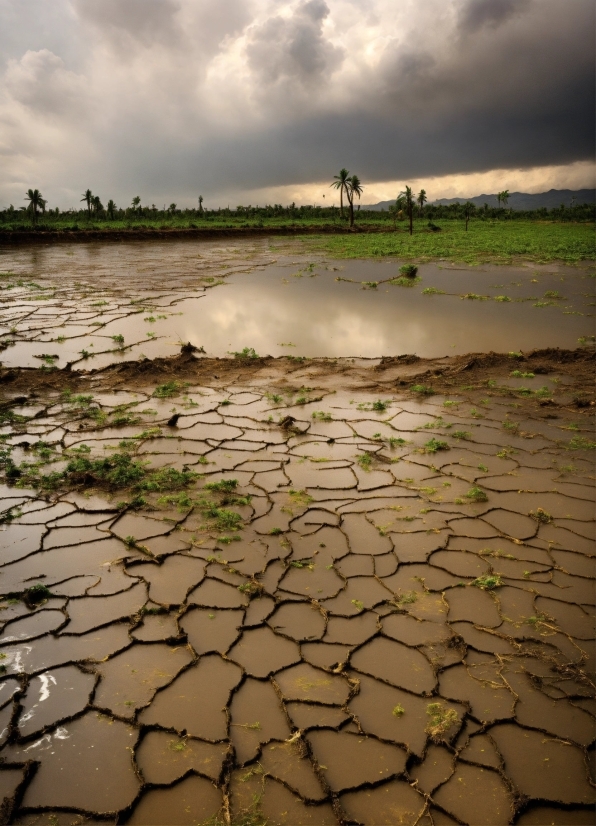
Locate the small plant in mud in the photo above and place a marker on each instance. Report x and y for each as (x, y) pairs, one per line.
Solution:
(275, 531)
(223, 486)
(302, 563)
(476, 494)
(515, 354)
(177, 745)
(167, 390)
(502, 298)
(409, 270)
(512, 427)
(398, 711)
(34, 595)
(403, 281)
(251, 588)
(519, 374)
(380, 406)
(440, 720)
(245, 353)
(371, 285)
(583, 340)
(488, 582)
(434, 445)
(540, 515)
(461, 434)
(581, 443)
(432, 291)
(358, 604)
(406, 599)
(322, 416)
(422, 390)
(365, 461)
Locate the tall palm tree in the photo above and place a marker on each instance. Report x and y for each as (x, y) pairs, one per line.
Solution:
(201, 204)
(111, 209)
(353, 187)
(422, 199)
(88, 196)
(136, 202)
(341, 182)
(503, 197)
(408, 197)
(97, 204)
(36, 202)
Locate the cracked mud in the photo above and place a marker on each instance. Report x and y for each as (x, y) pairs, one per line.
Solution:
(257, 591)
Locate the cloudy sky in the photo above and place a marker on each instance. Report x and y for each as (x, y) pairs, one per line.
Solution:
(248, 101)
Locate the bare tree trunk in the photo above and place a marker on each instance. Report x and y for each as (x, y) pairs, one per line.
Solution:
(411, 212)
(341, 201)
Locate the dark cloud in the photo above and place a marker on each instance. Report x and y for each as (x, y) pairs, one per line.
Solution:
(294, 47)
(181, 96)
(476, 14)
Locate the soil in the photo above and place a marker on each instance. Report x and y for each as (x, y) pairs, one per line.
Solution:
(396, 624)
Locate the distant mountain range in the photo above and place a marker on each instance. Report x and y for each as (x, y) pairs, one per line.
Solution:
(517, 200)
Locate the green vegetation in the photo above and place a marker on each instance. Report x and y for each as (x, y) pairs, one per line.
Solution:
(441, 719)
(398, 711)
(499, 241)
(245, 353)
(499, 234)
(488, 582)
(540, 515)
(434, 445)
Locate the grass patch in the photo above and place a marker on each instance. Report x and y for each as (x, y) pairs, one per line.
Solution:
(486, 241)
(435, 445)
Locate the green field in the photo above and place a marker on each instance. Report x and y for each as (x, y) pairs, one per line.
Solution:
(500, 242)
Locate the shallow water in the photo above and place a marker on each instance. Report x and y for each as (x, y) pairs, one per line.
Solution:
(252, 294)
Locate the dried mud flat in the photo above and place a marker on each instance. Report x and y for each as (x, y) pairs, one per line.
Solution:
(325, 592)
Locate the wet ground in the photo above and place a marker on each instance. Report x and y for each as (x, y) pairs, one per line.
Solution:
(332, 591)
(90, 304)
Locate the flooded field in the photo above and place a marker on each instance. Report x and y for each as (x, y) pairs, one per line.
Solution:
(72, 303)
(294, 591)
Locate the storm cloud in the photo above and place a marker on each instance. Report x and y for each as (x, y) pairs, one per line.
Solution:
(169, 98)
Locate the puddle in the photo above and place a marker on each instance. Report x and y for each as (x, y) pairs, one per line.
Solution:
(268, 300)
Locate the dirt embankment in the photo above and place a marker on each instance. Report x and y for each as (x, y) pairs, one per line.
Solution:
(32, 236)
(440, 375)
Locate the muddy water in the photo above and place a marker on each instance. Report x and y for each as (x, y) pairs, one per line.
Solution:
(69, 301)
(377, 642)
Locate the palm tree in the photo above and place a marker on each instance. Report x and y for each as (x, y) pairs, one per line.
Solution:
(422, 199)
(353, 187)
(172, 208)
(409, 204)
(36, 202)
(201, 204)
(503, 197)
(136, 202)
(88, 196)
(341, 182)
(97, 204)
(111, 209)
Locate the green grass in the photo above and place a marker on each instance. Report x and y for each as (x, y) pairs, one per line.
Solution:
(486, 241)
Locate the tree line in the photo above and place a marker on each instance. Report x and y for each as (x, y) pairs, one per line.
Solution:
(407, 207)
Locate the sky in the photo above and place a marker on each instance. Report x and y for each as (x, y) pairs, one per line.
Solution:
(263, 101)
